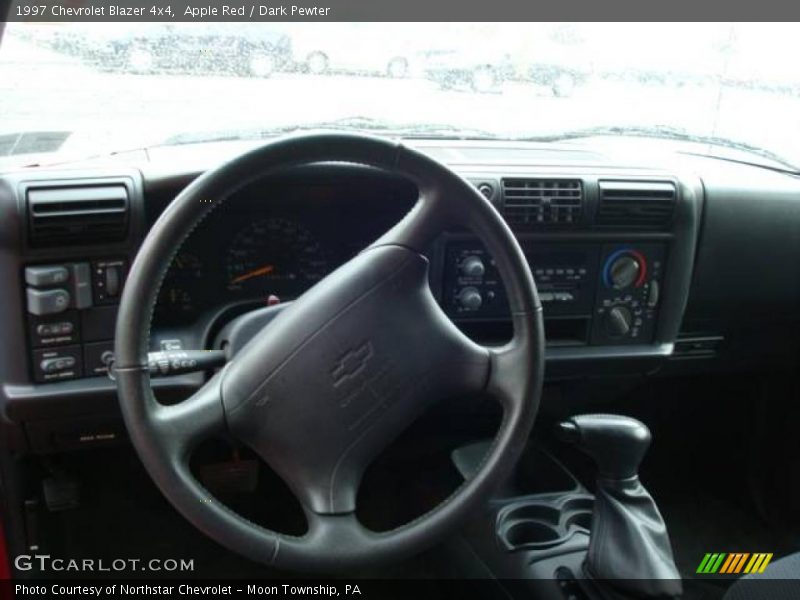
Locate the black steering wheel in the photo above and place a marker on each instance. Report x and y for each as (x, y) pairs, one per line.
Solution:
(328, 384)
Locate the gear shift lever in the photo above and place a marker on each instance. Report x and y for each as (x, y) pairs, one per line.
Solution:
(629, 546)
(617, 444)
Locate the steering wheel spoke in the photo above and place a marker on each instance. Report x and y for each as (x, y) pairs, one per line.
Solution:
(420, 226)
(517, 366)
(194, 419)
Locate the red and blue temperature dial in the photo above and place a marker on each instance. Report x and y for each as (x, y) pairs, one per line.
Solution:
(624, 268)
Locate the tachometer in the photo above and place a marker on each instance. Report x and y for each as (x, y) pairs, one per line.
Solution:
(274, 256)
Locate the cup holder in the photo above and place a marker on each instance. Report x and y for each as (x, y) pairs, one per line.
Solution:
(531, 533)
(581, 520)
(536, 512)
(539, 524)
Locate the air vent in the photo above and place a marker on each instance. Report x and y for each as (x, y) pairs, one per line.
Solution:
(72, 215)
(542, 202)
(635, 205)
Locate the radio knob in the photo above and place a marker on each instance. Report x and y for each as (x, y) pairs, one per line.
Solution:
(618, 322)
(624, 271)
(473, 266)
(470, 298)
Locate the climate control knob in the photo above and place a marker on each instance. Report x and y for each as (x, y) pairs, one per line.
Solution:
(470, 298)
(472, 266)
(618, 321)
(624, 271)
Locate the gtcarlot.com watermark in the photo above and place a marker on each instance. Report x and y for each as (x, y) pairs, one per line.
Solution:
(45, 563)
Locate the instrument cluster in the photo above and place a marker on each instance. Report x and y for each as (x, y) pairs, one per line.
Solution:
(262, 250)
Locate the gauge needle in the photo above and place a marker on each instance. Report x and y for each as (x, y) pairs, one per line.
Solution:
(266, 269)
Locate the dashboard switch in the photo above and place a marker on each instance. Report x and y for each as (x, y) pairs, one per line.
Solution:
(51, 365)
(81, 285)
(63, 328)
(112, 280)
(652, 297)
(47, 302)
(107, 280)
(56, 364)
(96, 357)
(55, 330)
(46, 276)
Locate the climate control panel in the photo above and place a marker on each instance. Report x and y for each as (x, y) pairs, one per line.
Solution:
(628, 294)
(610, 291)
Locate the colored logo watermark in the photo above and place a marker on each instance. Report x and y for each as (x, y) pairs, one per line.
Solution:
(734, 563)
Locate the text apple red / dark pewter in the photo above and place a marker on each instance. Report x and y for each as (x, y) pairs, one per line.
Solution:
(261, 10)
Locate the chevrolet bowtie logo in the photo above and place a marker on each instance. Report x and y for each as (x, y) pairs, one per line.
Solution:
(351, 363)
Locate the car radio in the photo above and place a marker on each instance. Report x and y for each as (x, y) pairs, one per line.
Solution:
(611, 291)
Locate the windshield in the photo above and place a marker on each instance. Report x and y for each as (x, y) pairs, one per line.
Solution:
(68, 90)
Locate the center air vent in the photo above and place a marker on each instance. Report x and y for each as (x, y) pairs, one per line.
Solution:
(542, 202)
(635, 205)
(77, 214)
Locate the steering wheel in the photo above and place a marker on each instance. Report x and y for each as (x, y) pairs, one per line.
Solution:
(339, 374)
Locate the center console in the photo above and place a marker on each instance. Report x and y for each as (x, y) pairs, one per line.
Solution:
(564, 541)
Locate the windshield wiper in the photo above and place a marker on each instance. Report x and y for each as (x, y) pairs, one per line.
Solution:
(360, 124)
(676, 134)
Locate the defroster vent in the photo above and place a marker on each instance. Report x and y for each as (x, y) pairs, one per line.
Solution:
(542, 202)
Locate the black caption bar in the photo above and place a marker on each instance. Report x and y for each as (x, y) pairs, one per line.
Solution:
(361, 589)
(341, 588)
(344, 589)
(400, 10)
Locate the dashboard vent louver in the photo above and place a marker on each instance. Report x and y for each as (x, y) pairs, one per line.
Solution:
(77, 214)
(635, 205)
(542, 202)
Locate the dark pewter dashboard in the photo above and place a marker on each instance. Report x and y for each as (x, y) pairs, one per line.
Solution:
(639, 266)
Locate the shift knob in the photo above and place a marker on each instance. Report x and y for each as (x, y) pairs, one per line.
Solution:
(617, 444)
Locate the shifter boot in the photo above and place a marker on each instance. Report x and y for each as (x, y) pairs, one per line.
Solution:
(629, 547)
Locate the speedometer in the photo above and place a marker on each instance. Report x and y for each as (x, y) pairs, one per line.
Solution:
(274, 256)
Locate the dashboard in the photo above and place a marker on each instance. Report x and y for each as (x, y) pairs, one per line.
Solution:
(653, 265)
